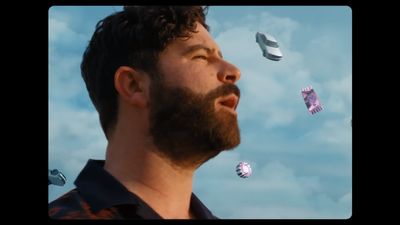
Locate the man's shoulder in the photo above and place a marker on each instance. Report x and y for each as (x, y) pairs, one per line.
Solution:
(64, 206)
(72, 206)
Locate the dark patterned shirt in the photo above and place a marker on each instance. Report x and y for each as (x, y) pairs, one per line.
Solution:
(98, 195)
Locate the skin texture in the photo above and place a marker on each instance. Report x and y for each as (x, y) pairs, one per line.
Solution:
(158, 165)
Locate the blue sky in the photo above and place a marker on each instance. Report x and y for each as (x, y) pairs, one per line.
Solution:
(301, 163)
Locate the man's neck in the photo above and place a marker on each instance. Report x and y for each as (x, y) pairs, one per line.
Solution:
(163, 187)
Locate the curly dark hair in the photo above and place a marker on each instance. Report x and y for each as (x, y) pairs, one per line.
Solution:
(133, 37)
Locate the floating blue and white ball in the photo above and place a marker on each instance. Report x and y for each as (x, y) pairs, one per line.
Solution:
(243, 170)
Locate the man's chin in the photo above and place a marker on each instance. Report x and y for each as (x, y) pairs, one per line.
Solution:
(228, 131)
(190, 150)
(193, 156)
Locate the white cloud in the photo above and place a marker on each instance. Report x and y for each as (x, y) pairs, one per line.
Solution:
(279, 117)
(65, 55)
(65, 81)
(272, 212)
(60, 32)
(74, 137)
(347, 198)
(269, 89)
(334, 53)
(340, 99)
(57, 29)
(282, 27)
(67, 126)
(335, 132)
(214, 26)
(273, 191)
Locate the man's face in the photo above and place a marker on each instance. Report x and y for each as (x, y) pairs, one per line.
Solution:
(192, 106)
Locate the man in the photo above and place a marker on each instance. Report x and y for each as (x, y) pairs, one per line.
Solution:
(166, 100)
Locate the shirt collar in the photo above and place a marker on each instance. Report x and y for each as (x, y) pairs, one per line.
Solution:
(199, 209)
(101, 190)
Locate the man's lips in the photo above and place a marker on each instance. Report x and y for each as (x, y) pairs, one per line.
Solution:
(230, 101)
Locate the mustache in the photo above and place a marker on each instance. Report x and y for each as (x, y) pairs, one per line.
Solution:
(224, 90)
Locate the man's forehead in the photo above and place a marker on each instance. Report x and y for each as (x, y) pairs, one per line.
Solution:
(200, 37)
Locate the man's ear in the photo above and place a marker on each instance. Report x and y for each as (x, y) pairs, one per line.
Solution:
(131, 86)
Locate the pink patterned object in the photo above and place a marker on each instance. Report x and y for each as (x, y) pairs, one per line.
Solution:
(311, 99)
(243, 170)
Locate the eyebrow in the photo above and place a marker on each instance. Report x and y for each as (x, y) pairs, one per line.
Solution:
(193, 48)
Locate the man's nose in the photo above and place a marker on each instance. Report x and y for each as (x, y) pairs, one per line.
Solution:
(228, 73)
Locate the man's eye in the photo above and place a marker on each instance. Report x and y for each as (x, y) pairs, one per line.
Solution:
(200, 57)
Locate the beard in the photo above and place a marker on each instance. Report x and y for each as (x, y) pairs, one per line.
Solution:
(186, 128)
